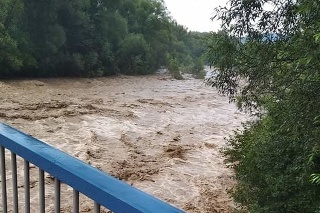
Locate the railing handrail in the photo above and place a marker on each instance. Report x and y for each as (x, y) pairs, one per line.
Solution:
(104, 189)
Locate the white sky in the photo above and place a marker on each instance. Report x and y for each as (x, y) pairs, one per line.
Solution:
(195, 14)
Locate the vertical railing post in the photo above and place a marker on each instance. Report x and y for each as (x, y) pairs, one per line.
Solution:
(26, 187)
(41, 191)
(14, 182)
(56, 196)
(96, 207)
(3, 180)
(75, 208)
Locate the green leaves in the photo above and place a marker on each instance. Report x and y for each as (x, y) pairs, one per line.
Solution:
(134, 55)
(90, 38)
(315, 178)
(9, 54)
(174, 69)
(268, 62)
(316, 37)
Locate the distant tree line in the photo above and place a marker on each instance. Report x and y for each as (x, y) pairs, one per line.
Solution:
(92, 38)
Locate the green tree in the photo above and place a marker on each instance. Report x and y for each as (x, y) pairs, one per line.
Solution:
(174, 69)
(198, 69)
(9, 53)
(110, 29)
(134, 55)
(268, 63)
(151, 19)
(89, 38)
(14, 50)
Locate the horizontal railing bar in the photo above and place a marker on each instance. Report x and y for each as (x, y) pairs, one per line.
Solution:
(104, 189)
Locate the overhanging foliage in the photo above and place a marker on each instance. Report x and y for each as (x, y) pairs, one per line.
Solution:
(277, 78)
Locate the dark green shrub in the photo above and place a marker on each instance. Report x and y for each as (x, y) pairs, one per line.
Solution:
(174, 69)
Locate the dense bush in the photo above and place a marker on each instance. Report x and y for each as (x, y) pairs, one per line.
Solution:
(174, 69)
(268, 63)
(134, 55)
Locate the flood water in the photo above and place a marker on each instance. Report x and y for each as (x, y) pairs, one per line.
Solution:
(161, 135)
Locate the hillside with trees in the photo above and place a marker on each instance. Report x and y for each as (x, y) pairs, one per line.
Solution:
(268, 62)
(91, 38)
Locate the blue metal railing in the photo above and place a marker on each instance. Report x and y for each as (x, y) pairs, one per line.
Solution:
(103, 189)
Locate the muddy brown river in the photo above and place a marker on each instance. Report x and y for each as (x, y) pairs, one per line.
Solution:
(160, 135)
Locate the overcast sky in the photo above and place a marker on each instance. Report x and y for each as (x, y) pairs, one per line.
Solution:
(195, 14)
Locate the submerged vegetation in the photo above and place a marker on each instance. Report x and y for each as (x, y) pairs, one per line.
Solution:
(91, 38)
(276, 78)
